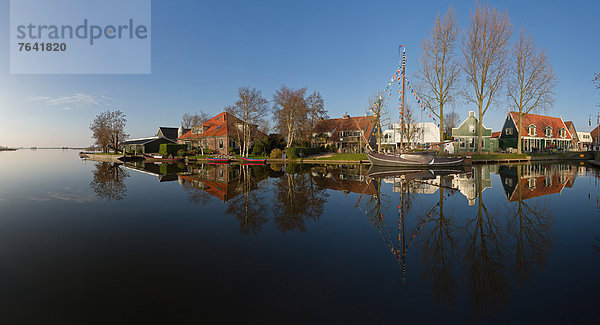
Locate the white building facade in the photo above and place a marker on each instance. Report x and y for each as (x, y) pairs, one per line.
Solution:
(585, 140)
(425, 134)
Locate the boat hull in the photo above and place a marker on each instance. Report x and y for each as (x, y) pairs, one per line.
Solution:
(254, 161)
(412, 160)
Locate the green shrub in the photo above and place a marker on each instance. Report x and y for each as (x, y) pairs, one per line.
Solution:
(294, 152)
(181, 153)
(168, 149)
(291, 153)
(275, 153)
(231, 151)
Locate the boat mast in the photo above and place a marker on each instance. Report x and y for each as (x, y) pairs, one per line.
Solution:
(402, 129)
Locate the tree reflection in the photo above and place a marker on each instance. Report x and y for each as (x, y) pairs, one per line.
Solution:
(109, 181)
(297, 199)
(439, 253)
(249, 207)
(484, 258)
(530, 226)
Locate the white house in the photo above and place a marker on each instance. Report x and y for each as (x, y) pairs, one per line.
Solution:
(585, 140)
(425, 134)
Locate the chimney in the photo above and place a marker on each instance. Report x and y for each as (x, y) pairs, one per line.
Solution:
(471, 113)
(346, 116)
(180, 131)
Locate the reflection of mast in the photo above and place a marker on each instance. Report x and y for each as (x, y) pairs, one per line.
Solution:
(401, 237)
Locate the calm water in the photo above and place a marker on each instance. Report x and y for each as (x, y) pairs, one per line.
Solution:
(88, 242)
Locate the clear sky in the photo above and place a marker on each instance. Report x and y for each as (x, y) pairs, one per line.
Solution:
(202, 51)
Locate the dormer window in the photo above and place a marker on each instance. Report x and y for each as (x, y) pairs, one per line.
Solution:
(532, 130)
(548, 131)
(563, 133)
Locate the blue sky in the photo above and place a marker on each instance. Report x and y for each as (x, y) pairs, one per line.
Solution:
(203, 51)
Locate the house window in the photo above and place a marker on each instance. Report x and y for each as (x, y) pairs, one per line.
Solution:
(532, 130)
(461, 143)
(205, 143)
(549, 131)
(508, 131)
(472, 143)
(220, 143)
(221, 174)
(563, 133)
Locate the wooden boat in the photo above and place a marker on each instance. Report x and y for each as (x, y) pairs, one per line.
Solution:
(254, 160)
(218, 160)
(425, 159)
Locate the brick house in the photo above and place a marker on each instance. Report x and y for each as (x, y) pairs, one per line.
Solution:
(218, 134)
(344, 134)
(539, 132)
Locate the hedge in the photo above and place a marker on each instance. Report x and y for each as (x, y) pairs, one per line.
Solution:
(293, 152)
(167, 149)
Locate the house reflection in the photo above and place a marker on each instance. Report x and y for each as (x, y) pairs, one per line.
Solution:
(164, 172)
(221, 181)
(522, 182)
(472, 185)
(347, 179)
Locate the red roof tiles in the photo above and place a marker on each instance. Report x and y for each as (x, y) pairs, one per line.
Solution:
(365, 123)
(541, 122)
(224, 124)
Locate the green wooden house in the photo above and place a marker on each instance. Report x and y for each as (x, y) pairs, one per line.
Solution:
(465, 136)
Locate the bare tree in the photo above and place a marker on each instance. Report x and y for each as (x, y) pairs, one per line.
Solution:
(377, 108)
(250, 108)
(315, 109)
(532, 80)
(101, 131)
(439, 71)
(451, 120)
(117, 128)
(189, 120)
(290, 112)
(485, 50)
(108, 129)
(411, 129)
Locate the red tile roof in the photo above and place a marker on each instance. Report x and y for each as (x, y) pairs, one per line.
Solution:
(496, 134)
(220, 125)
(541, 122)
(540, 188)
(365, 123)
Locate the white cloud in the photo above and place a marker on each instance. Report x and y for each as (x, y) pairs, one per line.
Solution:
(75, 101)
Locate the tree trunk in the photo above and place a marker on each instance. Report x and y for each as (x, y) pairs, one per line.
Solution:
(441, 128)
(479, 132)
(519, 131)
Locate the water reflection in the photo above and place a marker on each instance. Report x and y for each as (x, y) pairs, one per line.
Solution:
(109, 181)
(485, 248)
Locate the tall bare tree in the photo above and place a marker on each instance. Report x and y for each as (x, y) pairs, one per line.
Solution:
(377, 108)
(108, 129)
(250, 108)
(118, 121)
(485, 49)
(189, 120)
(439, 71)
(290, 111)
(315, 109)
(100, 128)
(532, 80)
(451, 120)
(411, 128)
